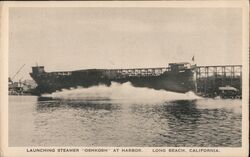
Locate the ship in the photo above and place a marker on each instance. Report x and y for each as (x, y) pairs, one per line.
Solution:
(175, 77)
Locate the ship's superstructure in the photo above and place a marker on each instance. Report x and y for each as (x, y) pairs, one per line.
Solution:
(176, 77)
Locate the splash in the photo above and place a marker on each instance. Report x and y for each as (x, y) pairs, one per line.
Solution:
(124, 92)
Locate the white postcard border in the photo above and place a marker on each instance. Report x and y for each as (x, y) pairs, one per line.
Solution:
(147, 151)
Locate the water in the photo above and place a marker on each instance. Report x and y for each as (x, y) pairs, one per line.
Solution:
(111, 117)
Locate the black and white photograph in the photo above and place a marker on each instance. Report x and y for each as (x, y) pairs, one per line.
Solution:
(126, 76)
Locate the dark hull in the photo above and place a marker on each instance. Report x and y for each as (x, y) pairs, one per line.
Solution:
(178, 81)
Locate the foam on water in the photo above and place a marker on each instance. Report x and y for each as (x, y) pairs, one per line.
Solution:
(125, 92)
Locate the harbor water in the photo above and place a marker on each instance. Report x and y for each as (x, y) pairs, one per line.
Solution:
(124, 116)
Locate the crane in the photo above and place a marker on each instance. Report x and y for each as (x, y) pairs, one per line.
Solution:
(12, 78)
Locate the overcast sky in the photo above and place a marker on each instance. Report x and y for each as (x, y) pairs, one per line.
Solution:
(79, 38)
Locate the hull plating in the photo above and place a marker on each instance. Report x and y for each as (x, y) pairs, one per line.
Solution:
(176, 81)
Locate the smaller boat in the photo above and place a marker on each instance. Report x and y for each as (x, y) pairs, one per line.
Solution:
(229, 92)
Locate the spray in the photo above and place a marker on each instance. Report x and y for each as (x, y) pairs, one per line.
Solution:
(121, 92)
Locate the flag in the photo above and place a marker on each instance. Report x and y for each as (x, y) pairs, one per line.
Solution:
(193, 58)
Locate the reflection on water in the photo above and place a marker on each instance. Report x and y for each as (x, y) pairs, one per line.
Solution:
(43, 106)
(40, 121)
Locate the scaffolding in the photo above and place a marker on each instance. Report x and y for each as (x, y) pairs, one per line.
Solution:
(139, 72)
(210, 78)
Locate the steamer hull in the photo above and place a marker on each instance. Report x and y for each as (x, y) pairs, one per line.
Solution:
(176, 78)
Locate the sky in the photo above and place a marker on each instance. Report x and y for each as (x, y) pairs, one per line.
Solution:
(63, 39)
